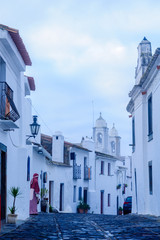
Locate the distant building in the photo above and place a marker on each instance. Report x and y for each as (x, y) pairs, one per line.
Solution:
(145, 112)
(80, 171)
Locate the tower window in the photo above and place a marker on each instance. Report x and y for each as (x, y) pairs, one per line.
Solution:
(113, 146)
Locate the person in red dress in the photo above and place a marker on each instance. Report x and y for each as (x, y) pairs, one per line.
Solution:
(34, 194)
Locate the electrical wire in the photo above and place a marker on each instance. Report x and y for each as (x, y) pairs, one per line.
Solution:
(33, 106)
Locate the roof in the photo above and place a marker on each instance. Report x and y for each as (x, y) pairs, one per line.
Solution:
(113, 131)
(14, 33)
(100, 154)
(100, 122)
(46, 142)
(76, 146)
(31, 83)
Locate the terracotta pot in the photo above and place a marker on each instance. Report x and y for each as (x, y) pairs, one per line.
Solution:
(11, 218)
(119, 212)
(81, 210)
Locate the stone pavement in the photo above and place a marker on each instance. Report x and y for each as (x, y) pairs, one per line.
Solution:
(85, 226)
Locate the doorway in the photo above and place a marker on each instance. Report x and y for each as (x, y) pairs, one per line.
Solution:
(117, 204)
(3, 181)
(51, 193)
(61, 199)
(85, 193)
(102, 201)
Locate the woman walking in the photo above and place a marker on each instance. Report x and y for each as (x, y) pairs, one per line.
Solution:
(34, 194)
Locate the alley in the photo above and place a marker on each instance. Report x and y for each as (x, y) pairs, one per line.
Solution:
(86, 226)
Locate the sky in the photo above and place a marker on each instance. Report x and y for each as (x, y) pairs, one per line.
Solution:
(84, 54)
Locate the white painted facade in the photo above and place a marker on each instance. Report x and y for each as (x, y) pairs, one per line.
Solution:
(144, 107)
(13, 149)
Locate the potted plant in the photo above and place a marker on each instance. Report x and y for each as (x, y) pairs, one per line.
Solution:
(50, 209)
(120, 210)
(44, 200)
(118, 186)
(14, 192)
(83, 207)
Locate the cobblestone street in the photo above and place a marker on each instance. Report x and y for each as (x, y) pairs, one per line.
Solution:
(86, 226)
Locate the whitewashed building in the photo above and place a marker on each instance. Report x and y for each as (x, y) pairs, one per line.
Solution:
(145, 113)
(15, 117)
(117, 168)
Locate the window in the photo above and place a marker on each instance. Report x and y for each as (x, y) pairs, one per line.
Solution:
(56, 137)
(133, 134)
(150, 127)
(102, 167)
(109, 199)
(80, 194)
(109, 169)
(150, 177)
(74, 194)
(113, 147)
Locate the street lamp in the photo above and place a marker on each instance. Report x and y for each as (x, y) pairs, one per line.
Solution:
(34, 128)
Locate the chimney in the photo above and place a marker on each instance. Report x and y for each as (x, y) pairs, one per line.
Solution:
(58, 147)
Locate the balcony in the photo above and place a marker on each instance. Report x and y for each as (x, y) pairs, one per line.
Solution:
(76, 171)
(87, 173)
(8, 110)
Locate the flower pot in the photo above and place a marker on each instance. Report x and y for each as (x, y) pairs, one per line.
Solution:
(120, 212)
(81, 210)
(11, 218)
(44, 206)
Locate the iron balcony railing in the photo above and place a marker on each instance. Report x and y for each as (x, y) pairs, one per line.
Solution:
(87, 173)
(76, 171)
(8, 110)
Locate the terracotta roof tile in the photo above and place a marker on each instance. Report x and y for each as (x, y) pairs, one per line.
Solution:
(14, 33)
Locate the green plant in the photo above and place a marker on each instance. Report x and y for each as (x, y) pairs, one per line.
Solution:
(83, 205)
(14, 192)
(50, 208)
(44, 192)
(12, 210)
(120, 209)
(118, 186)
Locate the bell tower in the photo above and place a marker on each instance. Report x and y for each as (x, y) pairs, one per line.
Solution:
(114, 142)
(100, 135)
(144, 58)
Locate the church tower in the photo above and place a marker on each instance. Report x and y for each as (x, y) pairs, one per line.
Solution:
(114, 142)
(144, 58)
(100, 135)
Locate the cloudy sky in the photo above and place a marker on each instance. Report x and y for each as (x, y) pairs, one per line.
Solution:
(84, 54)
